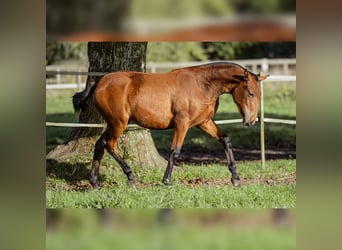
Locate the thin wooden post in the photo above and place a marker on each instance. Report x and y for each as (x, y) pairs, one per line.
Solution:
(262, 131)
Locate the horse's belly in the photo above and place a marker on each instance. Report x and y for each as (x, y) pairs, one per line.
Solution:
(151, 107)
(153, 119)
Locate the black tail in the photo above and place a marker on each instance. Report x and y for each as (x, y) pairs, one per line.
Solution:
(79, 100)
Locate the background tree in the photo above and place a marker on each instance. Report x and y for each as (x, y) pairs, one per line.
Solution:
(136, 145)
(175, 52)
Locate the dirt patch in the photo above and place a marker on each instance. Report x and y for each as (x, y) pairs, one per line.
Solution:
(270, 181)
(198, 181)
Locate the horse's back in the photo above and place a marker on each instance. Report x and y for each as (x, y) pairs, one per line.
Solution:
(143, 98)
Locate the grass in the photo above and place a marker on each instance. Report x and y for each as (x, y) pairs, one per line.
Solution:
(206, 186)
(174, 238)
(184, 229)
(193, 185)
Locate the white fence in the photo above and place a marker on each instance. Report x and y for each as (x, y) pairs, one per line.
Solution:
(254, 65)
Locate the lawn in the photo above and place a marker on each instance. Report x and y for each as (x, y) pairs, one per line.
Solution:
(174, 238)
(184, 229)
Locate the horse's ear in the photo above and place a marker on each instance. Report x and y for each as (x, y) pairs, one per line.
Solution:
(262, 77)
(246, 74)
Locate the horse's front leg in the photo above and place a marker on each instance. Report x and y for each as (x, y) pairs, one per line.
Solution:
(177, 142)
(231, 161)
(212, 129)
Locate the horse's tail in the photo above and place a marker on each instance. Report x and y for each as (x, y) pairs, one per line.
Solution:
(79, 100)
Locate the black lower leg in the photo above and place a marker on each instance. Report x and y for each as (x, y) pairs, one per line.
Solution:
(94, 179)
(231, 161)
(125, 168)
(174, 154)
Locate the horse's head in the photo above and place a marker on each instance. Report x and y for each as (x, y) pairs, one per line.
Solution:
(247, 96)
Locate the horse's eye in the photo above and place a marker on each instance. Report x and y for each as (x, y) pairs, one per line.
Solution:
(250, 94)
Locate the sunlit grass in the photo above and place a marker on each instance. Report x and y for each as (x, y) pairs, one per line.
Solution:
(206, 186)
(189, 237)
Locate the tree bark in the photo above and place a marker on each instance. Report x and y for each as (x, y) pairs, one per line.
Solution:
(135, 145)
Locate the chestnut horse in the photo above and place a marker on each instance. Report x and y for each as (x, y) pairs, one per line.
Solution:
(180, 99)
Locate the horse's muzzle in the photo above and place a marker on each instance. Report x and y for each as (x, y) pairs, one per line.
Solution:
(249, 123)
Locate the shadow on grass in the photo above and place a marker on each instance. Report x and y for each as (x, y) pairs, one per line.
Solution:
(76, 175)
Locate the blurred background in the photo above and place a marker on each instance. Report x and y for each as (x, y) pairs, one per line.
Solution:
(168, 20)
(254, 229)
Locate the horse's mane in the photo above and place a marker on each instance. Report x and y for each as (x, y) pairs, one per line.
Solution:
(213, 65)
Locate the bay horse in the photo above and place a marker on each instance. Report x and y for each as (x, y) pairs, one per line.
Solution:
(179, 99)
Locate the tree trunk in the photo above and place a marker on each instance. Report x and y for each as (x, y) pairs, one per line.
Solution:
(135, 145)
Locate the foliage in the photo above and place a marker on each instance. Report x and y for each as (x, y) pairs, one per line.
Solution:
(226, 50)
(270, 50)
(60, 51)
(243, 50)
(175, 52)
(178, 8)
(202, 8)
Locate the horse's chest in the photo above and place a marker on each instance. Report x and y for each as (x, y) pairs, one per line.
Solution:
(202, 113)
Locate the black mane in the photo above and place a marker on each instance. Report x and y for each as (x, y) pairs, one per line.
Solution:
(213, 65)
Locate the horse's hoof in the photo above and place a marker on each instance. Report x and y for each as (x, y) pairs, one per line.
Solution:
(95, 186)
(235, 182)
(131, 183)
(166, 182)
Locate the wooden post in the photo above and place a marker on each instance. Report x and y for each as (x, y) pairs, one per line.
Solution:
(262, 131)
(262, 120)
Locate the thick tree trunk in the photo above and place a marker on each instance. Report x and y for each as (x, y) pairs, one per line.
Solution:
(135, 145)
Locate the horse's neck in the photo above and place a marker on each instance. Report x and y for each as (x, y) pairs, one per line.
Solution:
(227, 88)
(222, 86)
(223, 82)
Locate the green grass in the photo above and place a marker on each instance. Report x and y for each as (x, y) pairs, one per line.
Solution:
(173, 238)
(193, 186)
(184, 229)
(206, 186)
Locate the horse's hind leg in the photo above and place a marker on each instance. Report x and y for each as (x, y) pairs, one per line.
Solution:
(112, 136)
(212, 129)
(98, 154)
